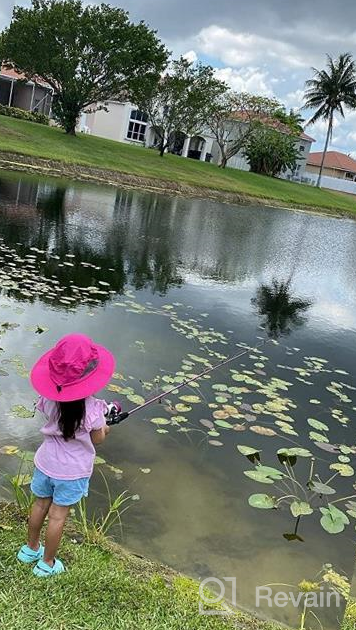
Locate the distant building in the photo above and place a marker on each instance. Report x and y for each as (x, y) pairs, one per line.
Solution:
(124, 122)
(32, 96)
(339, 171)
(338, 165)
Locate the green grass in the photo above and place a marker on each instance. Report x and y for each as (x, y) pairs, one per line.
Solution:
(45, 142)
(103, 589)
(349, 622)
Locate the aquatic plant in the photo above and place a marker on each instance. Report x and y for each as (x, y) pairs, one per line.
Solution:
(326, 579)
(304, 496)
(19, 484)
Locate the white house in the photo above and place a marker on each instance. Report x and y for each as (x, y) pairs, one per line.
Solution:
(123, 122)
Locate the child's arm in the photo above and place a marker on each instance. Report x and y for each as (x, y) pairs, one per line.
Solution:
(98, 435)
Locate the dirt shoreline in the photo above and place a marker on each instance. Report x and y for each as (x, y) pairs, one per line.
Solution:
(78, 172)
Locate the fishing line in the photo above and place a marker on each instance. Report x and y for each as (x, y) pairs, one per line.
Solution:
(115, 416)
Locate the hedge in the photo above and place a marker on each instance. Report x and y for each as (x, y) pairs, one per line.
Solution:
(23, 114)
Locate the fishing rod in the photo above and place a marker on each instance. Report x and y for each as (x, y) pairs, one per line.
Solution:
(115, 415)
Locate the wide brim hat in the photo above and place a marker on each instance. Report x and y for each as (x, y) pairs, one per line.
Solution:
(75, 368)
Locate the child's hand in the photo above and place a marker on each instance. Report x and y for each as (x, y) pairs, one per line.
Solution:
(98, 436)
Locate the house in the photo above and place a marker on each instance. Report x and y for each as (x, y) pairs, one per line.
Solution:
(124, 122)
(32, 96)
(303, 146)
(339, 171)
(338, 165)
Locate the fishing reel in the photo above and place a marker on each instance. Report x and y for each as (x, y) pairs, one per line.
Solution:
(114, 414)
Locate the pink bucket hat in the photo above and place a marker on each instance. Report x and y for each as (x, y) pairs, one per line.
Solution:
(75, 368)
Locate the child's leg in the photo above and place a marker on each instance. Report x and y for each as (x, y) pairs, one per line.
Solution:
(56, 519)
(36, 520)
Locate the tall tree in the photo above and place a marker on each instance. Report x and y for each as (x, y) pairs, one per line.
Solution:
(293, 119)
(329, 92)
(180, 101)
(232, 118)
(86, 54)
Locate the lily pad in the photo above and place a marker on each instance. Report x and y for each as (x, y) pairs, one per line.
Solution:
(21, 411)
(262, 501)
(318, 437)
(321, 488)
(224, 424)
(191, 399)
(253, 454)
(181, 408)
(221, 414)
(264, 474)
(263, 430)
(333, 519)
(160, 421)
(9, 450)
(247, 450)
(301, 508)
(296, 451)
(207, 423)
(316, 424)
(344, 469)
(136, 398)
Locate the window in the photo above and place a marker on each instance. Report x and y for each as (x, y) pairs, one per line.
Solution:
(350, 176)
(137, 125)
(302, 148)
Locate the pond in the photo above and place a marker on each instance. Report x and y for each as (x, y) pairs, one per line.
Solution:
(173, 285)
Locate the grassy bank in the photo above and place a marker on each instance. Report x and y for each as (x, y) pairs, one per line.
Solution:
(37, 141)
(104, 589)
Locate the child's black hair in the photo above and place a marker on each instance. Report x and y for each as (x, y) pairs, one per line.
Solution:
(71, 415)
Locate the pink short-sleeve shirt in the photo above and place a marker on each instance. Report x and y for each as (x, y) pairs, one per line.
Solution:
(73, 459)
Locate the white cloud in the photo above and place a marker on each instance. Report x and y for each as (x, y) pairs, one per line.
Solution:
(190, 56)
(294, 100)
(251, 80)
(236, 48)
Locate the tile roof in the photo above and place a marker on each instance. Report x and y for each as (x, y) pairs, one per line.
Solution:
(304, 136)
(12, 74)
(333, 159)
(271, 122)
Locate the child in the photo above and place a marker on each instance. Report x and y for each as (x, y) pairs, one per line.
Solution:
(65, 377)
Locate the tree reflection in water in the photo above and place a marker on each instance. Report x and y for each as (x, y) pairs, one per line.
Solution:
(280, 310)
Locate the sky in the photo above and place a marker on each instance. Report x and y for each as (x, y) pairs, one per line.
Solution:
(262, 46)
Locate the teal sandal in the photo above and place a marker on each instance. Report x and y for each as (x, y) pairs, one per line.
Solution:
(42, 569)
(28, 555)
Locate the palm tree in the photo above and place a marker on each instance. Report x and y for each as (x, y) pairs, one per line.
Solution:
(329, 91)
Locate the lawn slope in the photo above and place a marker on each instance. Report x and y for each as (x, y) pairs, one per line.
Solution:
(38, 141)
(104, 588)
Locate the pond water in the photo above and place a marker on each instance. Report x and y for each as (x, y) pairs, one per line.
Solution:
(172, 285)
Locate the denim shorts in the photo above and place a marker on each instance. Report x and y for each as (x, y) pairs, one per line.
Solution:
(64, 492)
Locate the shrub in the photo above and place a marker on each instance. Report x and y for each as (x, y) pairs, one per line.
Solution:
(269, 151)
(23, 114)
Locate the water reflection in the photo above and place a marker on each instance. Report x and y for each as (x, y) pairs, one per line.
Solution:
(208, 261)
(279, 309)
